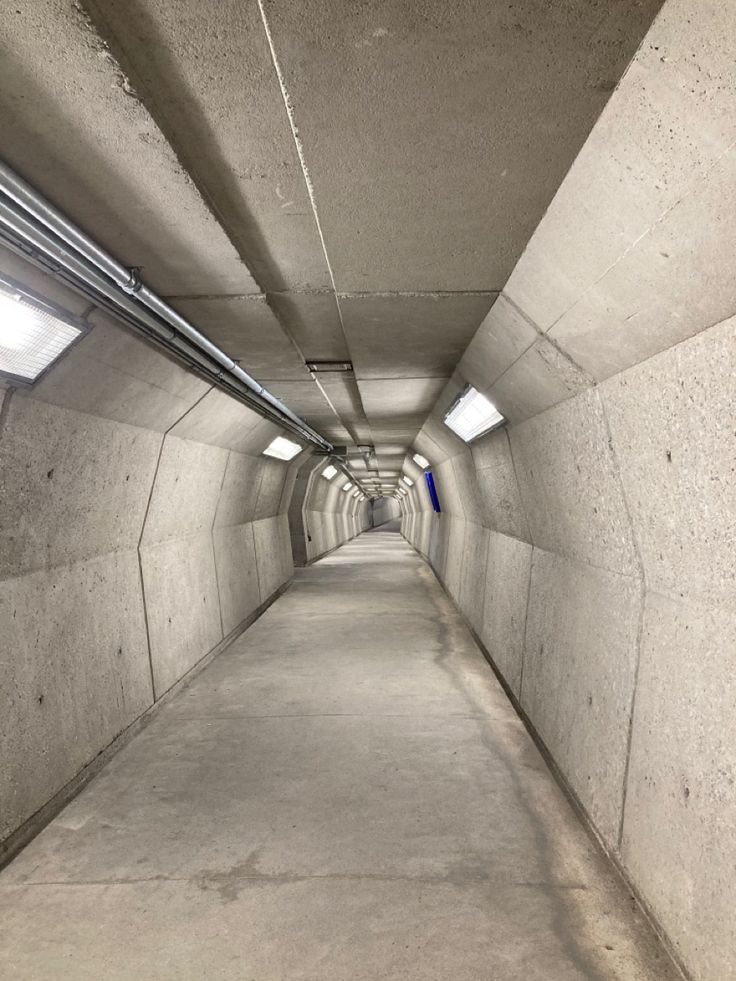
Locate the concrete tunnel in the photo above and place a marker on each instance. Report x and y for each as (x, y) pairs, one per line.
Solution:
(367, 509)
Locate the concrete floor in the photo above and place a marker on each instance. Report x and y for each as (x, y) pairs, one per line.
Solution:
(345, 794)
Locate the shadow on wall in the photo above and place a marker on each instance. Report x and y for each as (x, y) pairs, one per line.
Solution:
(140, 527)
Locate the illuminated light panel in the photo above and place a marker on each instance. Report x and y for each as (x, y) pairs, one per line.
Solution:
(31, 337)
(346, 487)
(329, 472)
(421, 461)
(281, 448)
(407, 480)
(472, 415)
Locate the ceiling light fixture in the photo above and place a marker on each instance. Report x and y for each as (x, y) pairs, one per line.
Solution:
(281, 448)
(33, 334)
(346, 487)
(329, 472)
(472, 415)
(421, 461)
(407, 480)
(330, 365)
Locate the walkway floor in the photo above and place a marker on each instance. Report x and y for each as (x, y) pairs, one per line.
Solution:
(344, 795)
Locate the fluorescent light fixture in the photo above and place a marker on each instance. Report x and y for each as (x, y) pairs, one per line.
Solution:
(472, 415)
(329, 472)
(282, 449)
(32, 334)
(356, 493)
(329, 365)
(346, 487)
(402, 490)
(407, 480)
(421, 461)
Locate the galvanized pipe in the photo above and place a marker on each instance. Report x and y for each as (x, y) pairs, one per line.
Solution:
(33, 219)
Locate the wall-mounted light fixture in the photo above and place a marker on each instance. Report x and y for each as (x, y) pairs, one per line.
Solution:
(421, 461)
(281, 448)
(329, 472)
(407, 480)
(346, 487)
(472, 415)
(34, 333)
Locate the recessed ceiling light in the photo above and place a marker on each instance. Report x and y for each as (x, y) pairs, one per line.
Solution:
(329, 472)
(472, 415)
(330, 365)
(282, 449)
(421, 461)
(346, 487)
(32, 335)
(407, 480)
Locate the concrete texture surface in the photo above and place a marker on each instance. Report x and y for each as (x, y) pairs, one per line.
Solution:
(570, 488)
(679, 834)
(578, 678)
(505, 583)
(75, 680)
(330, 802)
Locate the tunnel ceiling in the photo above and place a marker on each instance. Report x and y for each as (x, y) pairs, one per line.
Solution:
(316, 181)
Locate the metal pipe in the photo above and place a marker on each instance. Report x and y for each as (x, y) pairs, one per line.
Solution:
(126, 291)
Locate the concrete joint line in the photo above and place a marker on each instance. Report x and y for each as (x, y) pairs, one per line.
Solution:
(616, 465)
(212, 542)
(9, 393)
(143, 528)
(647, 231)
(531, 561)
(289, 106)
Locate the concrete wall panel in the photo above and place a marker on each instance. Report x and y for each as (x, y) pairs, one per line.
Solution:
(270, 488)
(273, 554)
(71, 485)
(186, 490)
(74, 674)
(679, 836)
(579, 672)
(501, 505)
(182, 605)
(506, 594)
(672, 423)
(473, 565)
(569, 486)
(237, 574)
(123, 379)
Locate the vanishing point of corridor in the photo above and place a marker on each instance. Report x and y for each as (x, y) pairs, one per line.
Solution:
(344, 793)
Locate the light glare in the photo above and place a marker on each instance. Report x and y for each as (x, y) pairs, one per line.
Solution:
(31, 338)
(282, 449)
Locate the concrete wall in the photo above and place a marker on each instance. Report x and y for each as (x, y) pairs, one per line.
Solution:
(591, 548)
(322, 516)
(140, 526)
(591, 542)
